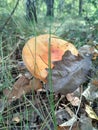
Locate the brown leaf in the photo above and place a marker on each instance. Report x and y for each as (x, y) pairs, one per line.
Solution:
(22, 86)
(95, 82)
(95, 55)
(69, 73)
(36, 84)
(74, 100)
(75, 127)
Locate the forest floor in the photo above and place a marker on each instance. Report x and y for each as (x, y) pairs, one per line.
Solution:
(25, 108)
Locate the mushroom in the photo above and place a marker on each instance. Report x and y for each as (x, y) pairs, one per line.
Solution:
(35, 53)
(69, 67)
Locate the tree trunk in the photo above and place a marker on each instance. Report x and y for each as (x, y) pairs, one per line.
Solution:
(80, 7)
(31, 10)
(50, 10)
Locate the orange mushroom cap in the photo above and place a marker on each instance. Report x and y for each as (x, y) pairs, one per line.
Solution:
(35, 53)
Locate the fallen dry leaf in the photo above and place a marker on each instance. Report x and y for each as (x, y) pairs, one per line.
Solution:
(74, 100)
(36, 84)
(22, 86)
(90, 112)
(95, 55)
(76, 127)
(69, 73)
(95, 82)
